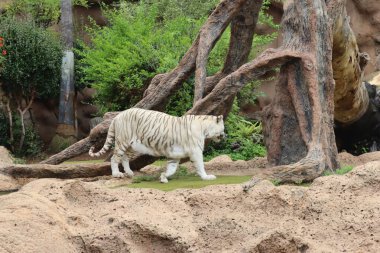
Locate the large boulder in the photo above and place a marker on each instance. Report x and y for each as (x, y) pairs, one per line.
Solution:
(5, 156)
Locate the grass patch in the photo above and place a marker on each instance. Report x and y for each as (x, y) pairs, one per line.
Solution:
(189, 182)
(84, 161)
(340, 171)
(181, 172)
(160, 163)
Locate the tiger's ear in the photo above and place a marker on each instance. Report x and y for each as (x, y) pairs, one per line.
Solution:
(219, 118)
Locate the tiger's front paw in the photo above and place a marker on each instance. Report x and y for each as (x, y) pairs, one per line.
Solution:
(129, 174)
(118, 174)
(209, 177)
(163, 179)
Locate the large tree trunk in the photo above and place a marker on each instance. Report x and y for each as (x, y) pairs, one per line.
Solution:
(299, 125)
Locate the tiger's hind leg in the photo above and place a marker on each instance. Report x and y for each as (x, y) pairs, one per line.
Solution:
(170, 170)
(125, 162)
(115, 161)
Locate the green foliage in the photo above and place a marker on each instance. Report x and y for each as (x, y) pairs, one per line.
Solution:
(32, 62)
(244, 139)
(124, 56)
(276, 182)
(59, 143)
(181, 101)
(4, 131)
(182, 172)
(340, 171)
(145, 178)
(194, 9)
(44, 12)
(32, 145)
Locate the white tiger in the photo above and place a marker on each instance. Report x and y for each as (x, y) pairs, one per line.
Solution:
(159, 134)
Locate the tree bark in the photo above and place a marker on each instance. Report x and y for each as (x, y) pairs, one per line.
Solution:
(209, 35)
(56, 171)
(299, 123)
(350, 96)
(22, 113)
(10, 120)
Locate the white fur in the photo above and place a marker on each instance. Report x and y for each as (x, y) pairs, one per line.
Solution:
(159, 134)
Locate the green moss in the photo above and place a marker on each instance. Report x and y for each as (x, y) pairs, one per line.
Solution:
(84, 161)
(188, 182)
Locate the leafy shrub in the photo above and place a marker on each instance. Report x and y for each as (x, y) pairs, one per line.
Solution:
(33, 144)
(44, 12)
(31, 69)
(124, 56)
(244, 139)
(32, 62)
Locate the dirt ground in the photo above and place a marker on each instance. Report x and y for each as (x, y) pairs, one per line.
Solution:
(334, 214)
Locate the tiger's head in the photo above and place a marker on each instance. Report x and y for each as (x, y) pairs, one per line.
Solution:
(215, 128)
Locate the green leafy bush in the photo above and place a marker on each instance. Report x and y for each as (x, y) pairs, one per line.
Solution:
(30, 69)
(32, 62)
(124, 56)
(244, 139)
(33, 144)
(44, 12)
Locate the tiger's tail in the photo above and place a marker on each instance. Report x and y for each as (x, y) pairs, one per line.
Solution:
(107, 144)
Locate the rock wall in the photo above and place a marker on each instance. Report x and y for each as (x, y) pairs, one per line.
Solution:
(45, 116)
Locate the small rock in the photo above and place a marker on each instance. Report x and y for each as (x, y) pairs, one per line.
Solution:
(220, 159)
(5, 156)
(7, 183)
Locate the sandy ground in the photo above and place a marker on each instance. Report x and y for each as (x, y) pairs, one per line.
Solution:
(334, 214)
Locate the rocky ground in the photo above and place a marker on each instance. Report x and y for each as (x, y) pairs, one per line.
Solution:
(333, 214)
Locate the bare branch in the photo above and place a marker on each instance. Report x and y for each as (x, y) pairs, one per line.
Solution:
(209, 35)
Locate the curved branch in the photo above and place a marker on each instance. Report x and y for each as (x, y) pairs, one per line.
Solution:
(157, 96)
(209, 35)
(243, 27)
(231, 84)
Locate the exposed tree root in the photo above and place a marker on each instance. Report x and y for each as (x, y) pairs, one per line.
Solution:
(305, 170)
(63, 171)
